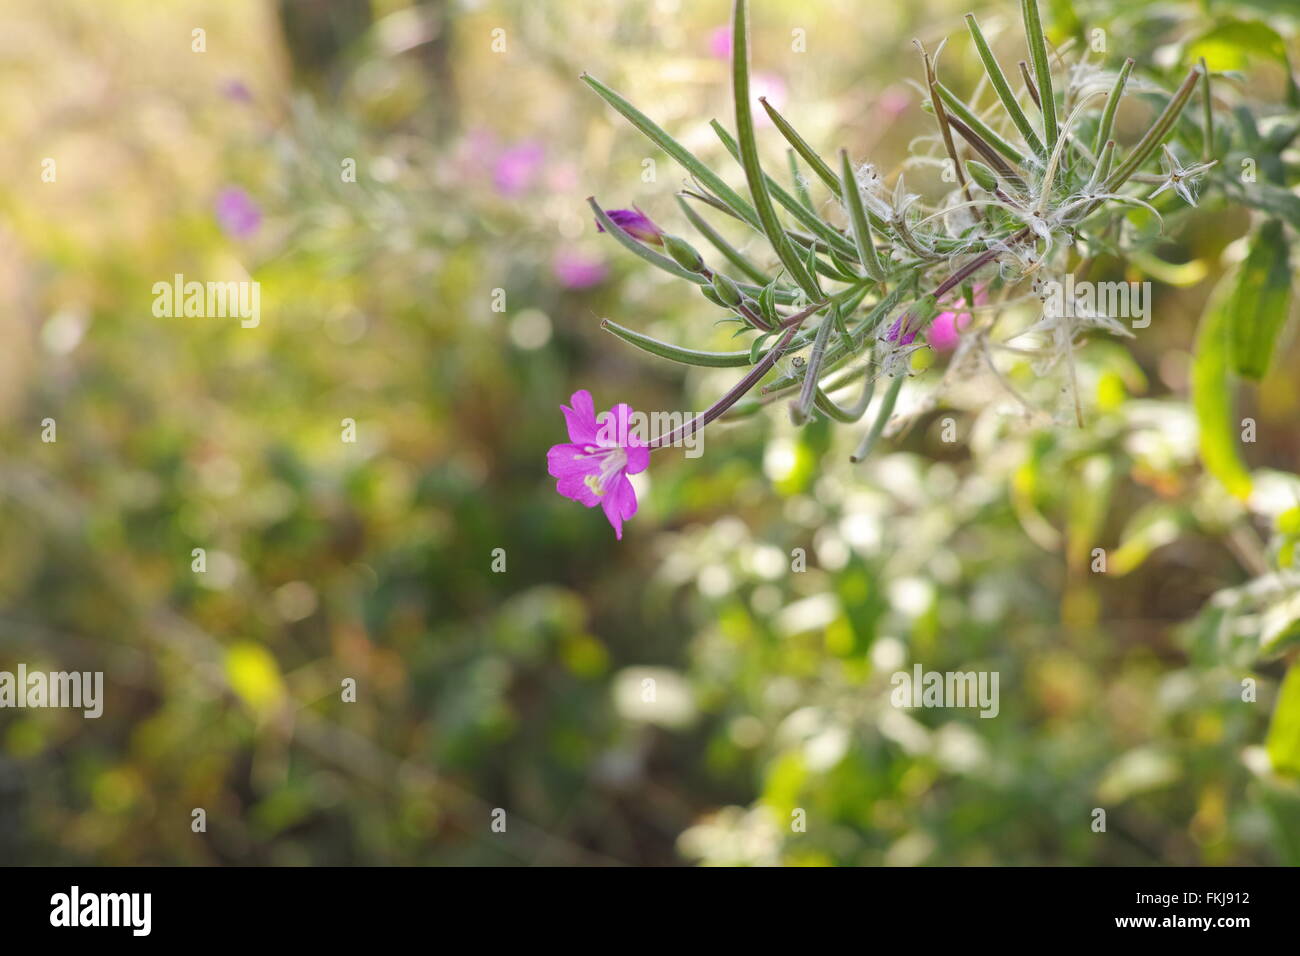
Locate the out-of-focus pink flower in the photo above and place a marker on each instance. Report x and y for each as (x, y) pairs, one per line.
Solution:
(516, 168)
(235, 91)
(237, 214)
(720, 42)
(767, 86)
(592, 467)
(576, 271)
(478, 145)
(893, 101)
(944, 332)
(636, 224)
(562, 178)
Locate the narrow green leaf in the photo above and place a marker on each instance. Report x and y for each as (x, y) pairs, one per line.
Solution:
(800, 184)
(1212, 393)
(1042, 69)
(754, 174)
(858, 220)
(1107, 122)
(872, 436)
(852, 413)
(676, 353)
(818, 165)
(1283, 741)
(676, 150)
(1104, 163)
(813, 370)
(977, 125)
(1156, 135)
(1003, 89)
(822, 230)
(837, 316)
(1261, 301)
(990, 155)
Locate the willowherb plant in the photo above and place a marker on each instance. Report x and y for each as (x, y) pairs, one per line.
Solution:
(1040, 188)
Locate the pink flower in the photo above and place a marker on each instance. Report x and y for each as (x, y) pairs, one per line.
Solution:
(945, 330)
(720, 43)
(636, 224)
(516, 168)
(237, 213)
(576, 271)
(235, 91)
(893, 102)
(764, 85)
(593, 466)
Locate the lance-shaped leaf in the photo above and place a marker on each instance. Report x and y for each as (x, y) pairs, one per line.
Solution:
(941, 117)
(989, 154)
(847, 415)
(810, 220)
(729, 252)
(1104, 162)
(676, 150)
(676, 353)
(800, 184)
(1042, 68)
(1107, 122)
(887, 402)
(1261, 300)
(1030, 88)
(858, 220)
(799, 411)
(962, 112)
(1156, 135)
(818, 165)
(748, 146)
(1002, 88)
(1283, 741)
(1212, 393)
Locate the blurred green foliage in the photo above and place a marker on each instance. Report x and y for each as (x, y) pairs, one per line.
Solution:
(522, 690)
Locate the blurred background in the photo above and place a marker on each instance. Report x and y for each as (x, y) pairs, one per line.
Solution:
(447, 301)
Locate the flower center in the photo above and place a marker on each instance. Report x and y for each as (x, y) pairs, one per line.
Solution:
(612, 461)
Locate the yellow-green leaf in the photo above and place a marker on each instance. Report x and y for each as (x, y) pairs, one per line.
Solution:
(1212, 393)
(1283, 742)
(1260, 301)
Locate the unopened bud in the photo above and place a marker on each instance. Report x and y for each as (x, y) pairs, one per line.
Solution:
(984, 177)
(708, 293)
(683, 253)
(726, 289)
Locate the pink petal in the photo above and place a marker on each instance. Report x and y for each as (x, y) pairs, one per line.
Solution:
(619, 504)
(638, 459)
(581, 418)
(562, 462)
(576, 488)
(943, 334)
(616, 428)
